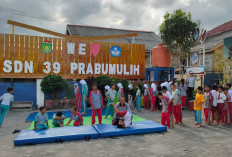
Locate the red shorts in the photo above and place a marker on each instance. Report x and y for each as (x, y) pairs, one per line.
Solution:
(170, 108)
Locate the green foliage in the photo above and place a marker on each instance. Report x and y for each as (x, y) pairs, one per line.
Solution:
(106, 80)
(177, 31)
(52, 84)
(69, 92)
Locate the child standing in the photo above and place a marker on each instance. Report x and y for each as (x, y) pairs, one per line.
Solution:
(146, 96)
(153, 93)
(227, 112)
(84, 97)
(77, 97)
(229, 102)
(183, 92)
(76, 116)
(214, 104)
(130, 96)
(6, 99)
(165, 115)
(208, 104)
(120, 91)
(111, 95)
(96, 102)
(138, 98)
(169, 104)
(199, 101)
(40, 119)
(176, 103)
(58, 119)
(221, 105)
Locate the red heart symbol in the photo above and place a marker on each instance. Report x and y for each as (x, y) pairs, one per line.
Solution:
(95, 49)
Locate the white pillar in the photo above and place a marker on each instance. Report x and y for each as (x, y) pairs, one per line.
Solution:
(204, 54)
(39, 94)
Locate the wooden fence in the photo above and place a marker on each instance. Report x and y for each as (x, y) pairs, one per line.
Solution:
(21, 50)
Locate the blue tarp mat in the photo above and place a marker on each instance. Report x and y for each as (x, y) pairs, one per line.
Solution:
(142, 127)
(67, 114)
(28, 137)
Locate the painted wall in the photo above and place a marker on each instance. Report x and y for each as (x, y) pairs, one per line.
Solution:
(23, 91)
(227, 63)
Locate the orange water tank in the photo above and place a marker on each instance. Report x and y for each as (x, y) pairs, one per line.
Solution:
(161, 56)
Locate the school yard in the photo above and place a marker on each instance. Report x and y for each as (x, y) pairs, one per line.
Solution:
(185, 140)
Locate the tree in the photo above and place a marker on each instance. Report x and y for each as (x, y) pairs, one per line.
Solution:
(53, 84)
(177, 31)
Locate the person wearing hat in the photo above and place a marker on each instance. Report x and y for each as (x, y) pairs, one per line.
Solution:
(146, 96)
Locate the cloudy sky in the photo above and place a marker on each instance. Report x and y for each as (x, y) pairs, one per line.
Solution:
(126, 14)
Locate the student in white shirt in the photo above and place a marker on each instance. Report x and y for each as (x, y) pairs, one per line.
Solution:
(6, 99)
(169, 104)
(214, 104)
(229, 102)
(221, 104)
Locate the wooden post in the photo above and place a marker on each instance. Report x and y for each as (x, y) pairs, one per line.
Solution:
(12, 29)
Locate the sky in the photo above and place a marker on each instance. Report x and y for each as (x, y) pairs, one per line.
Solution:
(144, 15)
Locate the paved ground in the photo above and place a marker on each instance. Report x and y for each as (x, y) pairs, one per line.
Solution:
(185, 140)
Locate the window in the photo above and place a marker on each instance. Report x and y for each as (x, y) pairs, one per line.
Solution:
(230, 52)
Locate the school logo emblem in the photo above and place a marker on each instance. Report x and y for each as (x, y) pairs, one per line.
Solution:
(115, 51)
(46, 47)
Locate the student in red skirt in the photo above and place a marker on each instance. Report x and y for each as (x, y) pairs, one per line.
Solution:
(227, 111)
(221, 105)
(146, 96)
(183, 92)
(208, 104)
(153, 93)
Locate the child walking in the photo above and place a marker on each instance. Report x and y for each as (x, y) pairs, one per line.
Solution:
(165, 120)
(176, 104)
(111, 95)
(96, 102)
(221, 105)
(6, 99)
(138, 98)
(76, 116)
(199, 101)
(41, 119)
(208, 104)
(146, 96)
(183, 92)
(58, 119)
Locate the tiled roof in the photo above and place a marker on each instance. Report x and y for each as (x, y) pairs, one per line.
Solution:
(220, 29)
(149, 38)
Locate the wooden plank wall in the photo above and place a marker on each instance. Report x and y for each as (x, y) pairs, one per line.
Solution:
(29, 48)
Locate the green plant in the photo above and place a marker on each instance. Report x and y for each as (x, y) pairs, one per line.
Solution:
(69, 92)
(53, 84)
(177, 31)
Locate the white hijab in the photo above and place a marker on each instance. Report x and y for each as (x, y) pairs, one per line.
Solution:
(153, 85)
(130, 86)
(107, 87)
(145, 85)
(119, 85)
(83, 82)
(166, 84)
(76, 88)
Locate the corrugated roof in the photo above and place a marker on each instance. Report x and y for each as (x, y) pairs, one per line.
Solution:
(149, 38)
(220, 29)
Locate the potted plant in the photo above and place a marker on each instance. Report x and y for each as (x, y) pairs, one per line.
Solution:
(53, 84)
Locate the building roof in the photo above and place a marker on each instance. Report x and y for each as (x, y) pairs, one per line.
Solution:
(220, 29)
(149, 38)
(209, 46)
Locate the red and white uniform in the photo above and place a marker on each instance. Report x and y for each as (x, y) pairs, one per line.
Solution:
(125, 116)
